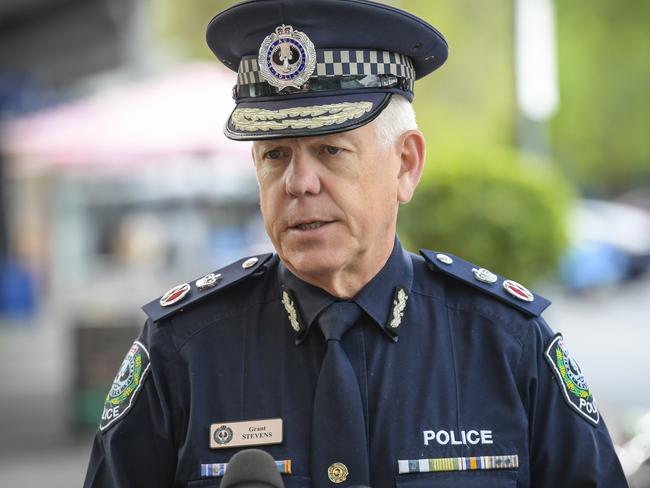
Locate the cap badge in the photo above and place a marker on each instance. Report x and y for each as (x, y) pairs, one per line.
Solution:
(485, 276)
(174, 295)
(286, 58)
(518, 291)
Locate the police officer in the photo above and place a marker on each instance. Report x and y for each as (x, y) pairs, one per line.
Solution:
(346, 358)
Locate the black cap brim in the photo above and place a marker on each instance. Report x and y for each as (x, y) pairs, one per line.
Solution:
(300, 117)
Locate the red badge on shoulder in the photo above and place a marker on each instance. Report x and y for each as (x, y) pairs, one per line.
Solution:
(518, 291)
(174, 295)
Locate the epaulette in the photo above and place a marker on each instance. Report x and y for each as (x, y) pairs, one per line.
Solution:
(186, 294)
(505, 290)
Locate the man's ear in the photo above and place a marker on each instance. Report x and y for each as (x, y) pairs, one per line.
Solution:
(411, 149)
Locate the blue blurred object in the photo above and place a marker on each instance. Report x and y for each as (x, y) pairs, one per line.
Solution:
(593, 264)
(18, 298)
(225, 245)
(610, 244)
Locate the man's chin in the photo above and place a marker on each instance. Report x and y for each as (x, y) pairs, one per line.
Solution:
(313, 262)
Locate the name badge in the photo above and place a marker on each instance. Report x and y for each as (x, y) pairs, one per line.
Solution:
(247, 433)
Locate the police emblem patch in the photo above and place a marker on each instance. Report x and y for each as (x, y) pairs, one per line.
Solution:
(286, 58)
(126, 385)
(572, 381)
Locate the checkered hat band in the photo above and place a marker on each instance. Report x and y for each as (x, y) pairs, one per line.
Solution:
(340, 62)
(332, 83)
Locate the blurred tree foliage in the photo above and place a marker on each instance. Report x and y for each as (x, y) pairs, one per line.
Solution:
(180, 26)
(470, 100)
(600, 134)
(503, 211)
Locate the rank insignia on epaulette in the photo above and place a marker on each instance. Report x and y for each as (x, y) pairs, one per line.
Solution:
(508, 291)
(208, 281)
(174, 295)
(518, 291)
(249, 263)
(484, 275)
(185, 296)
(443, 258)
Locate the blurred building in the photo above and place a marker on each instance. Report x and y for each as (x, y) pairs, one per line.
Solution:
(116, 183)
(52, 43)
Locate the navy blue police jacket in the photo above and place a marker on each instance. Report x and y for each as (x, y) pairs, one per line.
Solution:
(462, 383)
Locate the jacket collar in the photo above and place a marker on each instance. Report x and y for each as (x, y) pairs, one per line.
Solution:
(383, 298)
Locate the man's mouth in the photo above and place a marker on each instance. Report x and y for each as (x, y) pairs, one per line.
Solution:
(310, 225)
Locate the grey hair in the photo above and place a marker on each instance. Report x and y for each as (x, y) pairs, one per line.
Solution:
(397, 118)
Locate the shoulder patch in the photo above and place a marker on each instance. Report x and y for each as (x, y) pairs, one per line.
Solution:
(186, 294)
(126, 385)
(507, 291)
(575, 389)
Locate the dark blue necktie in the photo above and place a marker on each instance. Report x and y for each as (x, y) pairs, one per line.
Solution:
(339, 453)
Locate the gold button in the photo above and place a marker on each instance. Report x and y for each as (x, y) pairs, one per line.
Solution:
(337, 472)
(249, 262)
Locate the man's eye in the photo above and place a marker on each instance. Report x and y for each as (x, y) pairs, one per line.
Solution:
(332, 150)
(273, 154)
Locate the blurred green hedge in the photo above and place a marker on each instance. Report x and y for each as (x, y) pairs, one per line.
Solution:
(496, 208)
(600, 133)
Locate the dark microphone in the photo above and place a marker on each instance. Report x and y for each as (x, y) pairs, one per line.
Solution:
(252, 468)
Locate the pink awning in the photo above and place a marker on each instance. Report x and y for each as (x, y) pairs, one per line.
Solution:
(180, 114)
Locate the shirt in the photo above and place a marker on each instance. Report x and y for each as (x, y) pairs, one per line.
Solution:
(462, 384)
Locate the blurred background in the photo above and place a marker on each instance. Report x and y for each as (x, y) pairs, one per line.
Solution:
(116, 184)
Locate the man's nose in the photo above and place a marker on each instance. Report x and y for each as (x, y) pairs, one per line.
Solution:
(302, 177)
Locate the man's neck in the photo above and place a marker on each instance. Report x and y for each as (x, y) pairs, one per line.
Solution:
(348, 281)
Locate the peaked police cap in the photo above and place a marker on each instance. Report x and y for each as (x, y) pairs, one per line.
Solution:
(310, 67)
